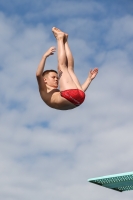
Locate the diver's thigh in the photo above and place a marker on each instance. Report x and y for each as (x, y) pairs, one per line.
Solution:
(75, 79)
(65, 80)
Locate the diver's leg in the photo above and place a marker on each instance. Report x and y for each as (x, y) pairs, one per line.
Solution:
(70, 61)
(65, 80)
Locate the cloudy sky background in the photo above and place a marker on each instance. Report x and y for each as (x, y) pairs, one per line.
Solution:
(50, 154)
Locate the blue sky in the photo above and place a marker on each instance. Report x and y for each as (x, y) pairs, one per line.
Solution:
(50, 154)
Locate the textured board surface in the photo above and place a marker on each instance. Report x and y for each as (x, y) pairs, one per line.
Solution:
(119, 182)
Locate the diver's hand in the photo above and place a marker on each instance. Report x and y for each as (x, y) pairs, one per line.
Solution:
(50, 51)
(93, 73)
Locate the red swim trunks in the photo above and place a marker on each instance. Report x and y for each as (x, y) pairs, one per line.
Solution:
(75, 96)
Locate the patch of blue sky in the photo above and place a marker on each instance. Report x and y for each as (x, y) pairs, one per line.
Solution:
(26, 159)
(42, 124)
(48, 12)
(72, 131)
(66, 157)
(31, 84)
(16, 105)
(118, 7)
(31, 158)
(1, 67)
(47, 154)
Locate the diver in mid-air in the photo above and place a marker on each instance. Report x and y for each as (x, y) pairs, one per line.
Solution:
(70, 93)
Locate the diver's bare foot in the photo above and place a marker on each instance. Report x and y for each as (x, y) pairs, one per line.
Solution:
(66, 37)
(58, 34)
(58, 30)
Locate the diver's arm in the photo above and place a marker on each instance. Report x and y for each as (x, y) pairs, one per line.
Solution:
(92, 75)
(41, 66)
(86, 84)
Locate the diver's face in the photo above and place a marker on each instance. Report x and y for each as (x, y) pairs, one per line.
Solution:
(51, 79)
